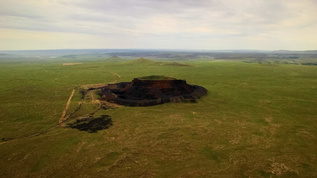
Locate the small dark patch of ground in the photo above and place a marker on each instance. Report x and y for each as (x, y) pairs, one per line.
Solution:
(91, 124)
(6, 139)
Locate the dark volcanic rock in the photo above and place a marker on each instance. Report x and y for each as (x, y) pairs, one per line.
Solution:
(143, 92)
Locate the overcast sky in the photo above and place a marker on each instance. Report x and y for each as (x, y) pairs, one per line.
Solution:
(158, 24)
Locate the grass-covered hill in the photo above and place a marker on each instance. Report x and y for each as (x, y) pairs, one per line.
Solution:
(114, 59)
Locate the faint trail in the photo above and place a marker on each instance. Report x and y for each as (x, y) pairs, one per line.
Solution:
(29, 135)
(93, 99)
(118, 77)
(67, 106)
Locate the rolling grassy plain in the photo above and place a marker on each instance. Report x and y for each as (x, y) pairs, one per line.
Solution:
(258, 120)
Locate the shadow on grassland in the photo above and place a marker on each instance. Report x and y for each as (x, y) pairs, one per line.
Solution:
(91, 124)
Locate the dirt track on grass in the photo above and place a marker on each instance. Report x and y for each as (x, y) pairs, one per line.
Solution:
(67, 106)
(118, 77)
(63, 118)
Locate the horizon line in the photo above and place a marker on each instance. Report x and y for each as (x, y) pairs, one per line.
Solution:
(157, 49)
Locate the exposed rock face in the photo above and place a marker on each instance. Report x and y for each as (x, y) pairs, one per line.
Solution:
(142, 92)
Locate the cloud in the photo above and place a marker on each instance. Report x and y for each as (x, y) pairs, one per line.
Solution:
(236, 21)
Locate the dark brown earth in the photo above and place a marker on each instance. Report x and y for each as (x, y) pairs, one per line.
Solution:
(91, 124)
(143, 92)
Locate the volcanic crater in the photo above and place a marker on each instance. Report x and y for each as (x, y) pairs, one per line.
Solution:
(151, 90)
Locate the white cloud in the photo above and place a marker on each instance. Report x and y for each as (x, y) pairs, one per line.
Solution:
(230, 23)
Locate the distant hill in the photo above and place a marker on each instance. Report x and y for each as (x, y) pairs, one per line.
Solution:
(114, 58)
(6, 56)
(71, 56)
(142, 61)
(295, 52)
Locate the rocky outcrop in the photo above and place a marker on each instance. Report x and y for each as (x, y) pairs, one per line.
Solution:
(142, 92)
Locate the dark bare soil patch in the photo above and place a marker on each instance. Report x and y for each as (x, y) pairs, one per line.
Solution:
(91, 124)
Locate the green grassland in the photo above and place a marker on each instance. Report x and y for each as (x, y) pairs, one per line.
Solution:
(258, 120)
